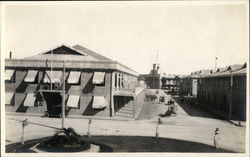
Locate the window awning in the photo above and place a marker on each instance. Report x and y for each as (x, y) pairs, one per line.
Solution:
(8, 74)
(74, 76)
(98, 78)
(99, 102)
(30, 77)
(29, 100)
(73, 101)
(56, 75)
(8, 97)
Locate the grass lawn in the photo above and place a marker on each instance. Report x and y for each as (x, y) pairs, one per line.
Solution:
(130, 144)
(150, 144)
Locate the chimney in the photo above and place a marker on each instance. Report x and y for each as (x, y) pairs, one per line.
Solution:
(154, 66)
(10, 54)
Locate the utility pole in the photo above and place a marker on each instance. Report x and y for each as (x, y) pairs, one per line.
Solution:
(215, 67)
(231, 90)
(51, 73)
(63, 103)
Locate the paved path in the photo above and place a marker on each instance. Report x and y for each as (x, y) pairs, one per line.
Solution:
(183, 126)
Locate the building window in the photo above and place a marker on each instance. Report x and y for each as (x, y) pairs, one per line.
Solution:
(10, 76)
(119, 80)
(99, 78)
(13, 78)
(32, 77)
(122, 81)
(115, 79)
(74, 77)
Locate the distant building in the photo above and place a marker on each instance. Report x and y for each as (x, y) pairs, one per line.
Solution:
(95, 85)
(225, 91)
(170, 82)
(222, 90)
(153, 79)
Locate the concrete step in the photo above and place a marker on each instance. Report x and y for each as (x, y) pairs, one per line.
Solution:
(125, 111)
(126, 115)
(127, 108)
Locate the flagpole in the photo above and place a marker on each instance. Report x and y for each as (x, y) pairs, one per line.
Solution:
(51, 73)
(216, 62)
(63, 103)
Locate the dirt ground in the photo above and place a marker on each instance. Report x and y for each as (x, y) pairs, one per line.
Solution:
(197, 127)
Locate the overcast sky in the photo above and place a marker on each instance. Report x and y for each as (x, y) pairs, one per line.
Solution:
(187, 37)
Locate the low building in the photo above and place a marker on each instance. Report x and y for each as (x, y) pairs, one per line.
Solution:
(153, 79)
(225, 91)
(170, 82)
(221, 90)
(94, 84)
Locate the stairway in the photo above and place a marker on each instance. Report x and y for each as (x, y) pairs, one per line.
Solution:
(126, 111)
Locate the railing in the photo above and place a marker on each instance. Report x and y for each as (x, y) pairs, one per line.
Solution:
(123, 91)
(55, 86)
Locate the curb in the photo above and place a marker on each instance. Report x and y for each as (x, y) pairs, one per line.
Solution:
(75, 117)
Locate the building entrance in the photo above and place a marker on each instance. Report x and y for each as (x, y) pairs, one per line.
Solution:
(54, 103)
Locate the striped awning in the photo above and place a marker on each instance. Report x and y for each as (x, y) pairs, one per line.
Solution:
(29, 100)
(56, 75)
(8, 74)
(73, 101)
(8, 97)
(74, 77)
(98, 78)
(30, 77)
(99, 102)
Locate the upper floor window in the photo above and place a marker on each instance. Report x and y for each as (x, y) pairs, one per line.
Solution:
(99, 78)
(122, 81)
(115, 79)
(74, 77)
(119, 80)
(32, 77)
(10, 76)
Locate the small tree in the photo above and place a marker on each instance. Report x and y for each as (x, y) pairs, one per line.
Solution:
(64, 138)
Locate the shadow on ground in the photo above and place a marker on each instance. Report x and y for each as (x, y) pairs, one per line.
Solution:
(195, 110)
(133, 144)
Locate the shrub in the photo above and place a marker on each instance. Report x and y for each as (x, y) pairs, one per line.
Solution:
(66, 137)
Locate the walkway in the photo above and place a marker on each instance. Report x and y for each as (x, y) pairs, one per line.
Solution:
(184, 126)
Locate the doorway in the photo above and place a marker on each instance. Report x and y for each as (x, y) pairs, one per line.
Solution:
(54, 103)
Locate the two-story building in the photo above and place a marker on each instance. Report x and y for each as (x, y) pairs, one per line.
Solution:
(94, 84)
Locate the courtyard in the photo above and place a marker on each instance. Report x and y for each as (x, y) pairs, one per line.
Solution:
(189, 125)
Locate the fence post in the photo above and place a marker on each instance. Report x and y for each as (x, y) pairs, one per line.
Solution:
(88, 132)
(215, 140)
(24, 124)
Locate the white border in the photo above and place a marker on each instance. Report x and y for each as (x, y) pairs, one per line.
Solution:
(169, 3)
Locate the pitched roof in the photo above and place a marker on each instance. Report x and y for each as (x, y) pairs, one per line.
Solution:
(77, 53)
(204, 72)
(237, 72)
(222, 69)
(75, 57)
(213, 71)
(235, 67)
(89, 52)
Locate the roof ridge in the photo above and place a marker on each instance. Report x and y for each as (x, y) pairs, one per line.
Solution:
(89, 52)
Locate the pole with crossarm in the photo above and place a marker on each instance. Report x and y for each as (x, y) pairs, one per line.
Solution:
(51, 70)
(63, 103)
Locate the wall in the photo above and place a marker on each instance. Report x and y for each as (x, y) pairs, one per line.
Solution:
(215, 92)
(85, 89)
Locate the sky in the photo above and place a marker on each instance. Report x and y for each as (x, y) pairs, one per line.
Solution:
(186, 37)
